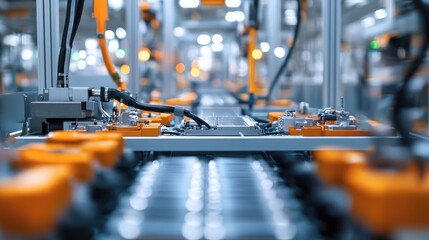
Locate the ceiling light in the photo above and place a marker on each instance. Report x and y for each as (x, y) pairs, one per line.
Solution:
(368, 22)
(121, 33)
(233, 3)
(109, 34)
(179, 31)
(189, 3)
(203, 39)
(279, 52)
(380, 14)
(265, 47)
(217, 38)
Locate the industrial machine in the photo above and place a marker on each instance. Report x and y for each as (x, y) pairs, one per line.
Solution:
(261, 145)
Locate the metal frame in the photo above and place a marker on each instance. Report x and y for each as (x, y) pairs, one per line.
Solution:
(169, 16)
(47, 42)
(331, 12)
(236, 144)
(134, 40)
(273, 26)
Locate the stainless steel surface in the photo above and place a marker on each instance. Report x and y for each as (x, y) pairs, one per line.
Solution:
(47, 42)
(206, 112)
(331, 47)
(226, 126)
(236, 144)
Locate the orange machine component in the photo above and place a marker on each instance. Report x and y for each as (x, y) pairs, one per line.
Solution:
(281, 103)
(389, 201)
(32, 202)
(140, 130)
(69, 137)
(315, 131)
(76, 138)
(41, 154)
(312, 131)
(106, 152)
(163, 118)
(274, 116)
(179, 101)
(294, 132)
(333, 165)
(106, 147)
(213, 2)
(339, 133)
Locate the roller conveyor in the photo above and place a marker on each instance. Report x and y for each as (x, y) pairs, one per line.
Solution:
(209, 197)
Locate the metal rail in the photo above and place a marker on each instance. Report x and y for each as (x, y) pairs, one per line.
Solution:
(236, 144)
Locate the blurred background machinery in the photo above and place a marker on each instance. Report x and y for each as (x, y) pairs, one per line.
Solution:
(214, 119)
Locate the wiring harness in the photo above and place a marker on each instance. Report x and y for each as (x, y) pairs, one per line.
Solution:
(107, 94)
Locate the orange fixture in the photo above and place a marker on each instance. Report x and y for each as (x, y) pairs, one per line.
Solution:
(213, 2)
(318, 131)
(41, 154)
(32, 202)
(333, 165)
(389, 201)
(163, 118)
(140, 130)
(274, 116)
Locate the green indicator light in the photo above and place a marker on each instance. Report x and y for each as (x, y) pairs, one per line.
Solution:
(375, 45)
(75, 56)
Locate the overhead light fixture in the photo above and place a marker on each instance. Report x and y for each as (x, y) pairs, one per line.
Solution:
(217, 47)
(380, 14)
(179, 31)
(235, 16)
(27, 54)
(368, 22)
(217, 38)
(257, 54)
(205, 51)
(233, 3)
(82, 54)
(120, 53)
(279, 52)
(116, 5)
(91, 60)
(121, 33)
(91, 43)
(113, 45)
(204, 39)
(265, 47)
(109, 34)
(189, 3)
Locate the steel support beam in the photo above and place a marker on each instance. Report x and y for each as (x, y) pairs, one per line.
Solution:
(331, 12)
(169, 16)
(236, 144)
(273, 26)
(47, 43)
(134, 40)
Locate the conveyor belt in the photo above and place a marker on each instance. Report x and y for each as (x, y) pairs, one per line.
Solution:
(209, 197)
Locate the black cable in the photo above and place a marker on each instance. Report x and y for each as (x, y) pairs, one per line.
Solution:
(110, 93)
(62, 54)
(289, 54)
(74, 12)
(79, 13)
(275, 133)
(401, 100)
(171, 133)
